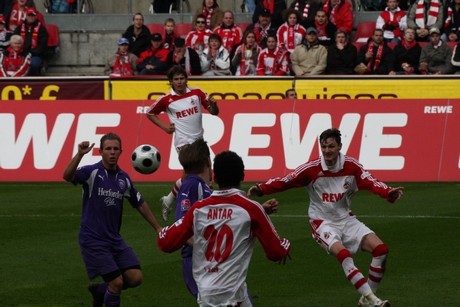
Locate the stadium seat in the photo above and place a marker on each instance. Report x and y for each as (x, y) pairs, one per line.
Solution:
(53, 37)
(358, 45)
(155, 28)
(182, 29)
(364, 31)
(244, 25)
(452, 44)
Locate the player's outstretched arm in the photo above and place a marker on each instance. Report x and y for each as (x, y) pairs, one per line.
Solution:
(83, 149)
(255, 190)
(270, 206)
(168, 128)
(145, 211)
(396, 193)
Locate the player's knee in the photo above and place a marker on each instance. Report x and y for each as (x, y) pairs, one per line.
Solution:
(380, 250)
(115, 285)
(133, 280)
(343, 254)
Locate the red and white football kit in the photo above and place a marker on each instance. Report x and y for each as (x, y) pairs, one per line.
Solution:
(290, 36)
(198, 40)
(231, 37)
(224, 227)
(330, 194)
(185, 112)
(273, 62)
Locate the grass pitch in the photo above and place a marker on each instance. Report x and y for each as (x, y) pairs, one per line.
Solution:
(40, 261)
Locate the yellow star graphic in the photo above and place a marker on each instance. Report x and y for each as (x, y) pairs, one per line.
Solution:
(27, 90)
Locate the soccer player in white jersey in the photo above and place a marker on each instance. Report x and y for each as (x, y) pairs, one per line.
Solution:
(331, 181)
(224, 227)
(183, 106)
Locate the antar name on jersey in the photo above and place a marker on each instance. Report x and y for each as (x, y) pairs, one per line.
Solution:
(332, 197)
(187, 112)
(221, 214)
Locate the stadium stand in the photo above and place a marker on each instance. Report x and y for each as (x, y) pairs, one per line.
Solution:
(53, 37)
(182, 29)
(155, 28)
(364, 31)
(243, 25)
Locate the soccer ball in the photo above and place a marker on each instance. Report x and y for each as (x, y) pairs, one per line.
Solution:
(146, 159)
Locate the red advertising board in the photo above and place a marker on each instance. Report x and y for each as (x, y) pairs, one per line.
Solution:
(52, 89)
(400, 140)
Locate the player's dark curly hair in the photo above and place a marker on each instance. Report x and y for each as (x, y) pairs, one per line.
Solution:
(109, 136)
(195, 157)
(176, 70)
(331, 133)
(228, 169)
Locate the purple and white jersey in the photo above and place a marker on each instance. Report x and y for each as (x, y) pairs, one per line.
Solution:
(192, 190)
(103, 193)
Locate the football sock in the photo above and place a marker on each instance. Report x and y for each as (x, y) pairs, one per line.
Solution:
(377, 267)
(111, 299)
(101, 288)
(352, 273)
(171, 197)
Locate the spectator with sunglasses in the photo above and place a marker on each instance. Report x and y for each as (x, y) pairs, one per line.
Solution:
(198, 39)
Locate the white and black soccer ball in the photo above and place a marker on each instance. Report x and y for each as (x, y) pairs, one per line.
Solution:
(146, 159)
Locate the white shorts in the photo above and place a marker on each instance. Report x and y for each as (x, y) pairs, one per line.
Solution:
(350, 232)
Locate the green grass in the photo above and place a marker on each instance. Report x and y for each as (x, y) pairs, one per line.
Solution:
(40, 261)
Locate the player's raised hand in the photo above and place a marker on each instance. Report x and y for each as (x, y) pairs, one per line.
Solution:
(396, 193)
(84, 147)
(270, 206)
(255, 190)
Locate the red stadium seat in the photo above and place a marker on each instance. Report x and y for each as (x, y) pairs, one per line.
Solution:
(155, 28)
(452, 44)
(244, 25)
(53, 35)
(182, 29)
(364, 31)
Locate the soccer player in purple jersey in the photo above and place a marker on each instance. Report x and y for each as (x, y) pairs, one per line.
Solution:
(196, 161)
(104, 251)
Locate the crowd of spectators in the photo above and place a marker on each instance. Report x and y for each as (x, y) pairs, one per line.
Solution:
(310, 37)
(23, 39)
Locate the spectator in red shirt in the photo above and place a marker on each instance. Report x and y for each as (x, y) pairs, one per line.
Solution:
(230, 33)
(153, 61)
(273, 60)
(35, 37)
(198, 39)
(14, 62)
(340, 14)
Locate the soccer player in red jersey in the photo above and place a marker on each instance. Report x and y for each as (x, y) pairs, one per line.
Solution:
(331, 181)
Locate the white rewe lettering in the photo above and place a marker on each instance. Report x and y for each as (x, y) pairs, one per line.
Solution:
(88, 123)
(242, 139)
(297, 150)
(439, 109)
(46, 149)
(373, 140)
